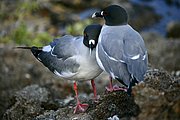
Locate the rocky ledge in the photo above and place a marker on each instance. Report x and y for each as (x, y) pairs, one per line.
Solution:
(155, 98)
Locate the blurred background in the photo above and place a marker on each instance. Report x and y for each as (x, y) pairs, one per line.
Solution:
(37, 22)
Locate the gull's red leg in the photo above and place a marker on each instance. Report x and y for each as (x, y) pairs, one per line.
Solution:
(115, 87)
(110, 87)
(94, 90)
(79, 107)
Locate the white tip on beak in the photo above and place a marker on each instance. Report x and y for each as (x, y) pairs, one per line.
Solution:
(91, 42)
(94, 15)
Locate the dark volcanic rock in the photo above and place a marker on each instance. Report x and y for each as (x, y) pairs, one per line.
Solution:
(28, 103)
(116, 103)
(18, 69)
(158, 97)
(159, 80)
(32, 93)
(155, 98)
(173, 29)
(112, 104)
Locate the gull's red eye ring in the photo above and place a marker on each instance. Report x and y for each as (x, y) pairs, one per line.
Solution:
(104, 13)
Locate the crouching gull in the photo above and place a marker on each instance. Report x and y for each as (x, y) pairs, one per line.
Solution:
(121, 51)
(72, 58)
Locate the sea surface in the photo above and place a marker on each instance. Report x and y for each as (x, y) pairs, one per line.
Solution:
(168, 12)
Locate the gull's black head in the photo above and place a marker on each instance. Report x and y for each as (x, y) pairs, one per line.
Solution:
(91, 34)
(113, 15)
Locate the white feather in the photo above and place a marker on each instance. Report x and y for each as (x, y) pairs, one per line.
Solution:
(64, 74)
(98, 60)
(135, 57)
(112, 75)
(144, 56)
(46, 48)
(52, 51)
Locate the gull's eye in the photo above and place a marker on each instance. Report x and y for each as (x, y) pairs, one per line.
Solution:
(105, 13)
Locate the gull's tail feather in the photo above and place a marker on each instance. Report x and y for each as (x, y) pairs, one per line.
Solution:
(26, 47)
(35, 50)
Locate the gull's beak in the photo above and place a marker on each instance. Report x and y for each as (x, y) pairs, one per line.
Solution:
(97, 14)
(91, 45)
(94, 15)
(91, 48)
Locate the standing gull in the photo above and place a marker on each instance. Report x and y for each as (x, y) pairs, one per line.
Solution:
(72, 58)
(121, 51)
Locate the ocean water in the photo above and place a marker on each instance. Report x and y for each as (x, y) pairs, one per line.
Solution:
(168, 12)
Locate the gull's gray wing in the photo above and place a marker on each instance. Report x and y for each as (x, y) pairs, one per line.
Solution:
(135, 55)
(110, 53)
(65, 47)
(60, 59)
(123, 56)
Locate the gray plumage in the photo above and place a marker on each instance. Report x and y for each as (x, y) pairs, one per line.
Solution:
(121, 52)
(69, 58)
(72, 58)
